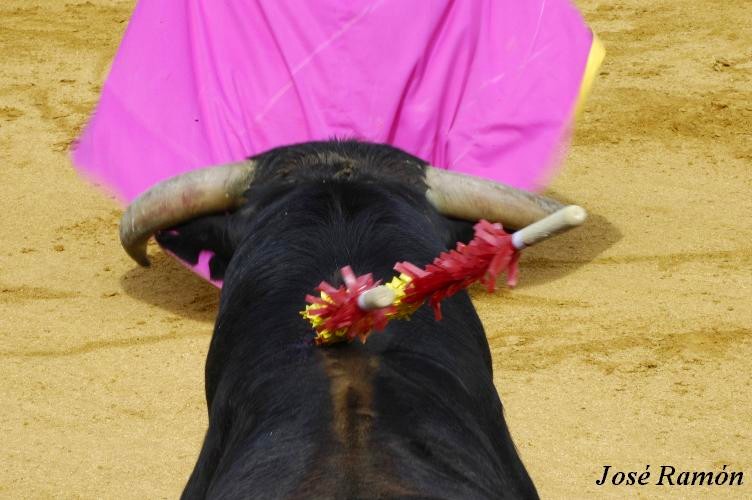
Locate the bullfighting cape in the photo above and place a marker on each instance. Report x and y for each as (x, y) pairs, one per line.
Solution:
(484, 87)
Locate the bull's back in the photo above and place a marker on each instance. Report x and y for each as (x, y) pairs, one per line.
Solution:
(407, 414)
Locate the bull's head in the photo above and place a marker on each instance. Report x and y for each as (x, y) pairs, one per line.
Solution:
(222, 188)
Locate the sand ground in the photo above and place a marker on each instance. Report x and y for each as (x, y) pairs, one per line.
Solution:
(628, 342)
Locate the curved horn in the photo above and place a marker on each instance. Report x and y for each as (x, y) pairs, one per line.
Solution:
(176, 200)
(471, 198)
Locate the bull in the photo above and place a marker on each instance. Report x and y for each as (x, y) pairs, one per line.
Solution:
(411, 413)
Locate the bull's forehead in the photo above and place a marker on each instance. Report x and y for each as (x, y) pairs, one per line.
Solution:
(340, 160)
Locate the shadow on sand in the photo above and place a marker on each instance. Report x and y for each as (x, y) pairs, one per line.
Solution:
(565, 253)
(170, 286)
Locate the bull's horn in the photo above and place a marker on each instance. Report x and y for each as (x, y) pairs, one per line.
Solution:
(179, 199)
(471, 198)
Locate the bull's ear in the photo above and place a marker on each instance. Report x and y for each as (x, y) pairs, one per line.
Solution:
(204, 233)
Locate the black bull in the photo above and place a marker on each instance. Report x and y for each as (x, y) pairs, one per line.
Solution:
(411, 413)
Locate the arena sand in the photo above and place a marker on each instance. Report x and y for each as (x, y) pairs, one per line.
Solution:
(627, 343)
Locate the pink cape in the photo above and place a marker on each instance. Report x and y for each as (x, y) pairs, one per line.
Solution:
(484, 87)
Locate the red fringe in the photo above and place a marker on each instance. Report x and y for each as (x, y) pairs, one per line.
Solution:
(341, 311)
(488, 254)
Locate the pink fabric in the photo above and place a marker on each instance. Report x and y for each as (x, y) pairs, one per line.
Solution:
(485, 87)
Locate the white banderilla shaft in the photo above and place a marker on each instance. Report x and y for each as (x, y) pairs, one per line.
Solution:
(559, 221)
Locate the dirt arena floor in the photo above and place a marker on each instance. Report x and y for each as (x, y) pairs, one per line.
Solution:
(627, 343)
